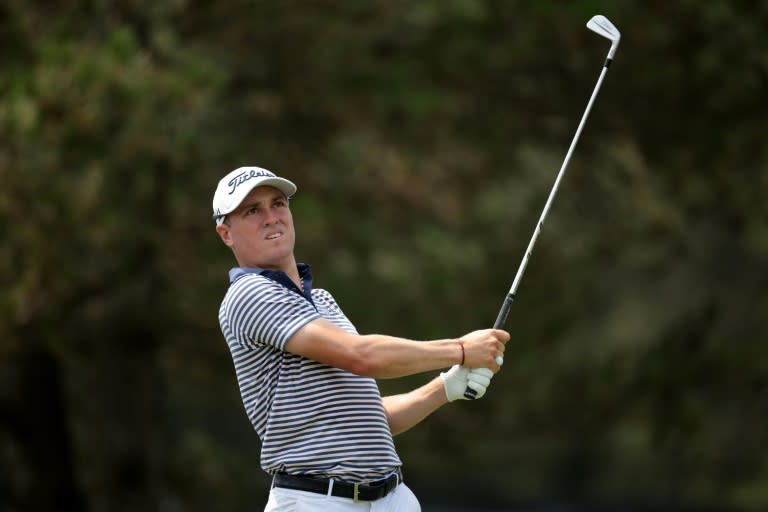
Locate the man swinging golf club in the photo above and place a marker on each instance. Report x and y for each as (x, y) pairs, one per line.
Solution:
(307, 377)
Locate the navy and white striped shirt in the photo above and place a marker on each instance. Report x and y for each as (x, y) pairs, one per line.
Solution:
(312, 419)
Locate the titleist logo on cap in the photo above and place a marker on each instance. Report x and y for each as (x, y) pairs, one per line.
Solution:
(245, 176)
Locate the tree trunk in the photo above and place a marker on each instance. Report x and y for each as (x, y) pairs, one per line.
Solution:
(35, 438)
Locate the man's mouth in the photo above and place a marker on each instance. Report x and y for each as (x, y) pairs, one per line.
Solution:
(274, 236)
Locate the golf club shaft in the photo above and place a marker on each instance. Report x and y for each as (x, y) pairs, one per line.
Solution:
(502, 317)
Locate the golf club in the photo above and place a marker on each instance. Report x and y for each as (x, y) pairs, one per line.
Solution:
(601, 25)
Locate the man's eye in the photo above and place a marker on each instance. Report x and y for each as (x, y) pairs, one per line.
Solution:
(252, 211)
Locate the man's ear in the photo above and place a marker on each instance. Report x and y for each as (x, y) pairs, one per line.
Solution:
(224, 234)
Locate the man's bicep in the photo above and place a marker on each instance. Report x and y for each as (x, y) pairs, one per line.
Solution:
(322, 341)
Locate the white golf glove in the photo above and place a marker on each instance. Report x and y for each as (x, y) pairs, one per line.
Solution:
(458, 378)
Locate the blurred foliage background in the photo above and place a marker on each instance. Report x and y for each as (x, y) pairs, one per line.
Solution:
(424, 137)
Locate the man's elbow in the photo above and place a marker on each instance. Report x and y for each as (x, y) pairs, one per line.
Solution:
(367, 359)
(368, 364)
(365, 366)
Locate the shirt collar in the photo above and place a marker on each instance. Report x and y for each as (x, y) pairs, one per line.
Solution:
(305, 274)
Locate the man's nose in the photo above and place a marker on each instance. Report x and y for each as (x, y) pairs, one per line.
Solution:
(270, 217)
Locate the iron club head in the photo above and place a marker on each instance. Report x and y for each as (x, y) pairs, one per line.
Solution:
(601, 25)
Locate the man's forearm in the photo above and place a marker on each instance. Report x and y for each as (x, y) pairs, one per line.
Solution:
(407, 410)
(386, 357)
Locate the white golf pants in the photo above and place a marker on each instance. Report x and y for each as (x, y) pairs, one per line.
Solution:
(401, 499)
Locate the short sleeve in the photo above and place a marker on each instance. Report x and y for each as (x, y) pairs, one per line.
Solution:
(258, 311)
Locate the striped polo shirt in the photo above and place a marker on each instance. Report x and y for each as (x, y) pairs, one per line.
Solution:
(311, 418)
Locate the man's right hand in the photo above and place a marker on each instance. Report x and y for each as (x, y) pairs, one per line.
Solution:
(481, 348)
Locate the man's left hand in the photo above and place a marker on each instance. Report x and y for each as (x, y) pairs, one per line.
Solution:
(458, 378)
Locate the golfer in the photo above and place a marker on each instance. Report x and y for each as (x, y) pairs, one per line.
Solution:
(307, 377)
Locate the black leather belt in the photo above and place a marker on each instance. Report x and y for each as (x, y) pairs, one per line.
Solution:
(363, 491)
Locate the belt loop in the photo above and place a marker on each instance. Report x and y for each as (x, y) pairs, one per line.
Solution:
(355, 492)
(330, 488)
(272, 485)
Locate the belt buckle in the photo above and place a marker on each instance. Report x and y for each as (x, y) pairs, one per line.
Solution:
(355, 492)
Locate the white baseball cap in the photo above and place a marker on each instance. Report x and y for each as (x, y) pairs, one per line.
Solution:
(237, 184)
